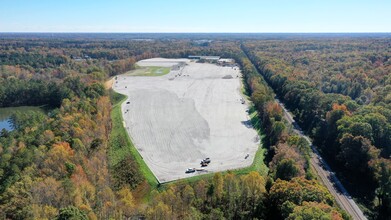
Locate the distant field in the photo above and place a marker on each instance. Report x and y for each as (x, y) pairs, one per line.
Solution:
(149, 71)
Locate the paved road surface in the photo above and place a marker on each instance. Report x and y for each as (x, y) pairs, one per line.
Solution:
(327, 176)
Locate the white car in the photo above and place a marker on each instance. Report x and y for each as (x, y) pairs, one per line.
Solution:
(190, 170)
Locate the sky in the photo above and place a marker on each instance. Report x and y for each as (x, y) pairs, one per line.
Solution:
(233, 16)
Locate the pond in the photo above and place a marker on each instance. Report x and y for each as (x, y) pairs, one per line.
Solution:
(6, 113)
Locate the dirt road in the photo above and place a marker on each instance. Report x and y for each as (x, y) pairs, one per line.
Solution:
(327, 176)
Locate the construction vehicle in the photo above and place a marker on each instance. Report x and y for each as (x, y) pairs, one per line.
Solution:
(206, 160)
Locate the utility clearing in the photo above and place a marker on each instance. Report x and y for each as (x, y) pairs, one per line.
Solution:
(196, 111)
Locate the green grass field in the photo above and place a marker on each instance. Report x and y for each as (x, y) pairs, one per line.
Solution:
(149, 71)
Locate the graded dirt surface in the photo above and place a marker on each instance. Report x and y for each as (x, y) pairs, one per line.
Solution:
(191, 113)
(109, 83)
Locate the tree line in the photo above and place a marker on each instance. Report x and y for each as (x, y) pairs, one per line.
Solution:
(58, 161)
(55, 164)
(338, 92)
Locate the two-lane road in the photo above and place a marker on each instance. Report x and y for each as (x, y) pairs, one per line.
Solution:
(326, 175)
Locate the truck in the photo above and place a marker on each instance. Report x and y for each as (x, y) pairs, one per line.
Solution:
(206, 160)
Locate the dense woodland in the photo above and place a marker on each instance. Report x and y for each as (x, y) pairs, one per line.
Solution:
(55, 164)
(58, 164)
(340, 92)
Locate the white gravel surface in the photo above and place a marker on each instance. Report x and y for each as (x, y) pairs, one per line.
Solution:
(180, 118)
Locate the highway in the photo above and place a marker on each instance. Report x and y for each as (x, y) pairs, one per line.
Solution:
(326, 175)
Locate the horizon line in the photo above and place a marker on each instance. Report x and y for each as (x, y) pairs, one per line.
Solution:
(76, 32)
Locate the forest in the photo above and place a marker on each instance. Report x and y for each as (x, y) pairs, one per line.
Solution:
(71, 163)
(339, 91)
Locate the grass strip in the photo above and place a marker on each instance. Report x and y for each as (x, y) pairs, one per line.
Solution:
(120, 143)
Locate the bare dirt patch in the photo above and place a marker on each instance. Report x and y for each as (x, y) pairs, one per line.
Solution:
(109, 83)
(191, 113)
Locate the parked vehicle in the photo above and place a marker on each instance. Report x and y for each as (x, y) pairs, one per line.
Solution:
(206, 160)
(190, 170)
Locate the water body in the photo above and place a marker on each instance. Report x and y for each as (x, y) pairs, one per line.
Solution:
(6, 113)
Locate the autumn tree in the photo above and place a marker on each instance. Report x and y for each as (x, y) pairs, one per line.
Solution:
(314, 210)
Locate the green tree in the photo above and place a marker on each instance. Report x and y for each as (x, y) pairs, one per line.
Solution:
(315, 211)
(188, 196)
(127, 173)
(15, 202)
(159, 212)
(287, 169)
(71, 213)
(277, 130)
(297, 191)
(218, 184)
(355, 154)
(382, 170)
(253, 189)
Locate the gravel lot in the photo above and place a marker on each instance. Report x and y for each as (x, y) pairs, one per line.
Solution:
(191, 113)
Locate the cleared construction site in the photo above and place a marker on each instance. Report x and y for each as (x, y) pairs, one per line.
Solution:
(196, 111)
